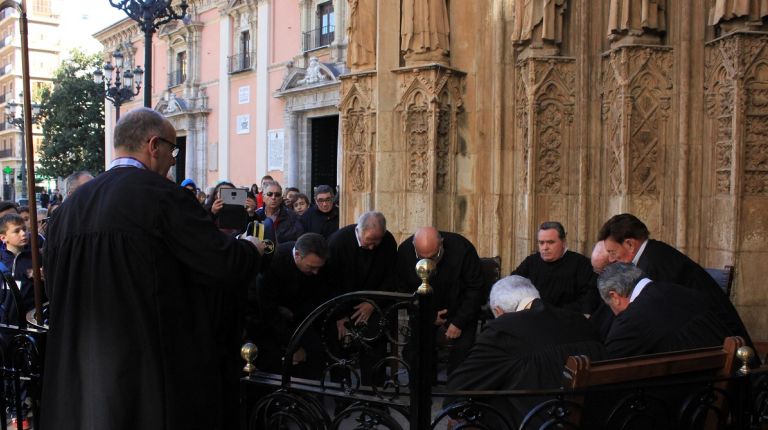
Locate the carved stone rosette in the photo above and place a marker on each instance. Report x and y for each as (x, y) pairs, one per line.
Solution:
(357, 112)
(736, 99)
(430, 103)
(636, 86)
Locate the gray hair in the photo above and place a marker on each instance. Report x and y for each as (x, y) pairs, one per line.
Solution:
(620, 278)
(273, 184)
(137, 126)
(324, 189)
(369, 220)
(507, 293)
(73, 179)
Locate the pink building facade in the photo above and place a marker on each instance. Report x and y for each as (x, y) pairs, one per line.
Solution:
(251, 86)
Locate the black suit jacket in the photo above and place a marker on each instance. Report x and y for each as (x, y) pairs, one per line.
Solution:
(665, 317)
(664, 263)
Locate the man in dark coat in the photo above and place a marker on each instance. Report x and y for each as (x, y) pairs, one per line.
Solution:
(457, 282)
(524, 348)
(564, 278)
(323, 216)
(654, 317)
(295, 283)
(130, 259)
(626, 239)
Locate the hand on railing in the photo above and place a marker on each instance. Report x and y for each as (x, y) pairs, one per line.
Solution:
(362, 313)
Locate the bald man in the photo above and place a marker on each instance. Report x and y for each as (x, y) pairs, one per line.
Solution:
(600, 259)
(457, 283)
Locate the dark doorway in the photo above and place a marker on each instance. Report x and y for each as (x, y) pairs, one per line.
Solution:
(325, 142)
(180, 169)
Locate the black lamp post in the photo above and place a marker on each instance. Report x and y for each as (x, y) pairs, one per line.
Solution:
(150, 14)
(14, 114)
(119, 89)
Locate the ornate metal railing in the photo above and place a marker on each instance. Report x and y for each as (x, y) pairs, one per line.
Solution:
(395, 390)
(21, 357)
(317, 38)
(240, 62)
(176, 77)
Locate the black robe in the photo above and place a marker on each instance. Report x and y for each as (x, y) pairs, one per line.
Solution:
(286, 296)
(131, 260)
(525, 350)
(568, 282)
(457, 281)
(665, 317)
(663, 263)
(356, 269)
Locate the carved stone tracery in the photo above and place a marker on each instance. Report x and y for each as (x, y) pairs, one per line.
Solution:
(636, 91)
(357, 126)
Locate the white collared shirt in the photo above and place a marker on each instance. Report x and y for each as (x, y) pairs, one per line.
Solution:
(639, 253)
(639, 288)
(524, 304)
(126, 162)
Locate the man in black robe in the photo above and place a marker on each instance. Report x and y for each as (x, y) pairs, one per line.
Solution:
(626, 239)
(362, 258)
(295, 283)
(524, 348)
(654, 317)
(323, 216)
(564, 278)
(457, 283)
(129, 262)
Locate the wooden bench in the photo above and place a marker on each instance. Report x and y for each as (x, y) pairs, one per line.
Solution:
(717, 362)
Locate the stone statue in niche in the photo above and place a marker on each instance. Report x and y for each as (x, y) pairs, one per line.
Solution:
(636, 21)
(732, 14)
(538, 26)
(361, 33)
(314, 73)
(425, 32)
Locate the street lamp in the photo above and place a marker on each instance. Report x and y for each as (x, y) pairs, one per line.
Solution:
(14, 114)
(150, 14)
(117, 88)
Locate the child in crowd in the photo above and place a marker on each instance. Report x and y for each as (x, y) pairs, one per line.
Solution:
(17, 261)
(300, 204)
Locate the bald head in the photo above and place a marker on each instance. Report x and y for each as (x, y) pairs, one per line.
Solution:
(427, 242)
(599, 257)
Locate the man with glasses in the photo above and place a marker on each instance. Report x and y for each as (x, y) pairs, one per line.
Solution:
(132, 262)
(457, 282)
(323, 216)
(281, 224)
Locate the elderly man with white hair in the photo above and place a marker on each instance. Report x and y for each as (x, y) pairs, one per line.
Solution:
(524, 347)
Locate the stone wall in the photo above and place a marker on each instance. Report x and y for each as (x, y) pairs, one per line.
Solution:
(568, 110)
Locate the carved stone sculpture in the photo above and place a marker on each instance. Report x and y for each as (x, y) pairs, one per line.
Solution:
(361, 53)
(424, 32)
(732, 14)
(538, 25)
(636, 21)
(314, 73)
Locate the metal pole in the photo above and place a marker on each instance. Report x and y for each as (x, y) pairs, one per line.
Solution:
(421, 379)
(30, 159)
(148, 31)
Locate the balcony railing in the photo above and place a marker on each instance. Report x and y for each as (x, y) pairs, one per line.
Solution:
(317, 38)
(240, 62)
(177, 77)
(4, 70)
(6, 41)
(4, 126)
(6, 153)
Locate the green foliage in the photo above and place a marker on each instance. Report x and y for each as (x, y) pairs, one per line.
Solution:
(72, 119)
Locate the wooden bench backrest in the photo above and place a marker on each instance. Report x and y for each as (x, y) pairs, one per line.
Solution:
(580, 372)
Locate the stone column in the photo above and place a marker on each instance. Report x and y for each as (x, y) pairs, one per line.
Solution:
(225, 37)
(736, 194)
(290, 151)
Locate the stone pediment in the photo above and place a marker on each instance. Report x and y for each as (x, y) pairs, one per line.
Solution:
(317, 74)
(172, 105)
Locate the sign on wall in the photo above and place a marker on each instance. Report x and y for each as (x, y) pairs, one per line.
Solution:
(244, 95)
(243, 124)
(275, 143)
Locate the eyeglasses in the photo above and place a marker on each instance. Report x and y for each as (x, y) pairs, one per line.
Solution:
(175, 149)
(275, 194)
(326, 200)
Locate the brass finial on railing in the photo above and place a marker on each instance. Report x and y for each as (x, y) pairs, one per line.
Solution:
(424, 269)
(745, 354)
(249, 352)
